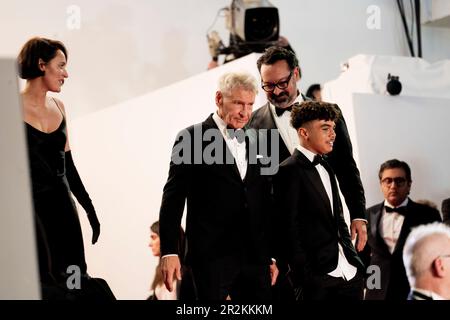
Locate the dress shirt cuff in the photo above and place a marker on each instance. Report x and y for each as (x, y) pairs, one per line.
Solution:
(170, 255)
(365, 220)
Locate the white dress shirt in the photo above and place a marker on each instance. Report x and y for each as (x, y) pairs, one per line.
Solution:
(238, 150)
(344, 269)
(287, 131)
(162, 293)
(391, 224)
(431, 294)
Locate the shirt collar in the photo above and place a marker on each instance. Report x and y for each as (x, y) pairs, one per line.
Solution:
(222, 125)
(307, 153)
(219, 121)
(403, 204)
(428, 293)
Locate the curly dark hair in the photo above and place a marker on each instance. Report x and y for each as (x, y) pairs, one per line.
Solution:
(313, 110)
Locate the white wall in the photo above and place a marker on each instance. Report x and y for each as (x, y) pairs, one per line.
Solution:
(411, 129)
(127, 48)
(18, 258)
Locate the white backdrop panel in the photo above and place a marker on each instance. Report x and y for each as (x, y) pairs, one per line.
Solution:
(18, 259)
(412, 129)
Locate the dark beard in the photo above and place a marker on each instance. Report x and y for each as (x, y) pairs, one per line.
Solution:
(280, 99)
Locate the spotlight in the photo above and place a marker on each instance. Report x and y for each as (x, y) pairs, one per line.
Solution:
(255, 21)
(394, 86)
(253, 24)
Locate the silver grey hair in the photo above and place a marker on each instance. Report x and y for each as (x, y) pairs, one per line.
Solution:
(417, 253)
(232, 80)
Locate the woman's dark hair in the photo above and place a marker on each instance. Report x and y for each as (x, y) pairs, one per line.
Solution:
(33, 50)
(158, 279)
(311, 89)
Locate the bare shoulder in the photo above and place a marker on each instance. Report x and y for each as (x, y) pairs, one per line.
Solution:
(59, 103)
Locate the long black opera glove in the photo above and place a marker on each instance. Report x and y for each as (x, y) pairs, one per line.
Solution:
(78, 190)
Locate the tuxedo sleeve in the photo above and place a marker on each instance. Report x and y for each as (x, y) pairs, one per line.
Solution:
(174, 195)
(290, 225)
(344, 165)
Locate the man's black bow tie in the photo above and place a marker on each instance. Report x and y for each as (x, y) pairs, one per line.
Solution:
(239, 134)
(280, 111)
(318, 159)
(399, 210)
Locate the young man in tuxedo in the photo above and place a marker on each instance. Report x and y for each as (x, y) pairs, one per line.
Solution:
(390, 222)
(280, 72)
(427, 261)
(320, 251)
(228, 203)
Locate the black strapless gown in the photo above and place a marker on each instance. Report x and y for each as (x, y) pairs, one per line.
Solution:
(53, 205)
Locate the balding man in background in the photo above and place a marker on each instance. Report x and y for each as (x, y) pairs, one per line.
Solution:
(426, 256)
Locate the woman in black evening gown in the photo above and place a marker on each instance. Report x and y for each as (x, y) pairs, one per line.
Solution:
(42, 62)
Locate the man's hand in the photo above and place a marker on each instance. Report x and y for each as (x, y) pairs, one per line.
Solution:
(273, 273)
(170, 266)
(359, 228)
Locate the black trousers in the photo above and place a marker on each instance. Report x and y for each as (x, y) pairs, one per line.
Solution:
(325, 287)
(230, 276)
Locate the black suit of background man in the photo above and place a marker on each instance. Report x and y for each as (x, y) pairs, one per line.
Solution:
(388, 230)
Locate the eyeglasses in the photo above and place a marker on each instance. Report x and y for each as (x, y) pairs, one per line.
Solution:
(399, 181)
(270, 86)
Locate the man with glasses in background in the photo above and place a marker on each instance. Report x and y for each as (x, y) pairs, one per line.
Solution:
(390, 222)
(427, 262)
(280, 73)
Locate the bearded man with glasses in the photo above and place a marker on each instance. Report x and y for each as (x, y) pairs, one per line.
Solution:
(280, 73)
(390, 223)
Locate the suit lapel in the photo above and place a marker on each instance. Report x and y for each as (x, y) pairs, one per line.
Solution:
(252, 162)
(314, 178)
(209, 123)
(405, 227)
(375, 220)
(267, 120)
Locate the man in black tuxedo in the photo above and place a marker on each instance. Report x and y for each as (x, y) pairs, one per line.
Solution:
(228, 202)
(427, 261)
(320, 251)
(280, 73)
(390, 222)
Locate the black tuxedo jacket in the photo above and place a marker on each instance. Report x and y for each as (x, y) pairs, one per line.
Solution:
(394, 282)
(313, 231)
(226, 216)
(340, 159)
